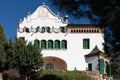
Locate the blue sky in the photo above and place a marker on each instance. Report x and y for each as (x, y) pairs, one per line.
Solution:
(13, 10)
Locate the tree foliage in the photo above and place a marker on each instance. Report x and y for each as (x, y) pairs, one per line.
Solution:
(3, 41)
(105, 13)
(25, 58)
(64, 75)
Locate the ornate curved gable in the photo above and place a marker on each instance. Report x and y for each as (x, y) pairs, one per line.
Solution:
(43, 16)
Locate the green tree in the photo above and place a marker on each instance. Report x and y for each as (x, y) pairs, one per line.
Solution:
(105, 13)
(3, 41)
(26, 58)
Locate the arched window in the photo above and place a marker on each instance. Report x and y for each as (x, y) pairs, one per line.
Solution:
(64, 44)
(48, 29)
(37, 29)
(49, 66)
(27, 30)
(43, 44)
(43, 29)
(50, 44)
(36, 43)
(57, 44)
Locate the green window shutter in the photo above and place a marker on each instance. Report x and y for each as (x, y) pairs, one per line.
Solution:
(50, 44)
(85, 43)
(90, 66)
(43, 44)
(101, 66)
(36, 43)
(108, 69)
(57, 44)
(64, 44)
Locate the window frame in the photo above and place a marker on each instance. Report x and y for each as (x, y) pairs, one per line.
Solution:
(43, 45)
(57, 44)
(50, 44)
(42, 29)
(63, 44)
(86, 43)
(49, 66)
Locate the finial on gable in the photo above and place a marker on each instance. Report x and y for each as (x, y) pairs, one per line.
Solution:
(66, 18)
(43, 3)
(20, 20)
(28, 13)
(58, 13)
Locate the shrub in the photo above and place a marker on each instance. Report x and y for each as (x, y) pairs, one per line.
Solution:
(64, 75)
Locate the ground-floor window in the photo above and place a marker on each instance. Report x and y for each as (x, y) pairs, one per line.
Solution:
(90, 66)
(49, 66)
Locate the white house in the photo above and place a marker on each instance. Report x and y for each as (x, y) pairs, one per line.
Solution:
(64, 46)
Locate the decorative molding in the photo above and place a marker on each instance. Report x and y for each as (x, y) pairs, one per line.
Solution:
(43, 12)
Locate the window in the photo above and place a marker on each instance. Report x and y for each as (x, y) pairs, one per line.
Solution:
(49, 66)
(108, 69)
(50, 44)
(86, 43)
(43, 44)
(36, 43)
(48, 29)
(27, 30)
(63, 29)
(37, 29)
(64, 44)
(57, 44)
(42, 29)
(90, 66)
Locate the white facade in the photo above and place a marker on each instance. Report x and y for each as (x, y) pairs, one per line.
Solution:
(73, 56)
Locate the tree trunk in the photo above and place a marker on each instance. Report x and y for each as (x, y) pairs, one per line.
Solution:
(26, 78)
(1, 78)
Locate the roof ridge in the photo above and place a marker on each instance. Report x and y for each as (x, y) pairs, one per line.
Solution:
(95, 49)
